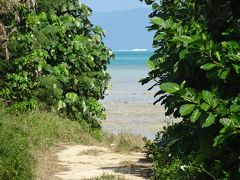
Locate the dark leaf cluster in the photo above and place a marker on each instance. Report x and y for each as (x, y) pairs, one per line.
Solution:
(197, 66)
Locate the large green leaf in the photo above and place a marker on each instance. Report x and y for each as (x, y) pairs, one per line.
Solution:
(235, 118)
(208, 66)
(189, 94)
(151, 64)
(218, 55)
(235, 108)
(183, 38)
(195, 115)
(160, 36)
(208, 97)
(209, 121)
(73, 97)
(158, 21)
(186, 109)
(205, 106)
(61, 105)
(183, 53)
(84, 106)
(218, 140)
(236, 68)
(225, 122)
(170, 87)
(224, 74)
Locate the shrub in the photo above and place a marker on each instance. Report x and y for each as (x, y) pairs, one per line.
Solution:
(57, 57)
(196, 65)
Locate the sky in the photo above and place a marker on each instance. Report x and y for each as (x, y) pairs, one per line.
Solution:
(124, 21)
(113, 5)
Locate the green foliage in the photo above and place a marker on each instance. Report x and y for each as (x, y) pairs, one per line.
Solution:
(57, 57)
(24, 135)
(196, 65)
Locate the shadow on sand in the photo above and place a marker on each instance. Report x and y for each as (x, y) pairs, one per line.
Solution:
(142, 169)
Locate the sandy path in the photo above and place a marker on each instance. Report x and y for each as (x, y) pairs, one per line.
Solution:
(76, 162)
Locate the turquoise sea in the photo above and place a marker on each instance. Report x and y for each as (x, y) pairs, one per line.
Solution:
(126, 70)
(135, 59)
(129, 105)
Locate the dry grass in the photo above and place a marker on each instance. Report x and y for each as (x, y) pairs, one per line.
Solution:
(124, 143)
(47, 164)
(126, 163)
(91, 152)
(110, 177)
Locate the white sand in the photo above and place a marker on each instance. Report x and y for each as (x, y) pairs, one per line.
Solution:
(79, 163)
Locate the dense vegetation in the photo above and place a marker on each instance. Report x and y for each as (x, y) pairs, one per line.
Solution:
(197, 66)
(52, 70)
(53, 54)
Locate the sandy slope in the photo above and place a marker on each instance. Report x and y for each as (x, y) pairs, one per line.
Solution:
(76, 162)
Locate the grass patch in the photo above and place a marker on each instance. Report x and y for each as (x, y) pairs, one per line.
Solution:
(110, 177)
(91, 152)
(126, 163)
(124, 143)
(23, 136)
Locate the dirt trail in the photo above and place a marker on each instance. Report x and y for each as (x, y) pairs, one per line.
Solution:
(76, 162)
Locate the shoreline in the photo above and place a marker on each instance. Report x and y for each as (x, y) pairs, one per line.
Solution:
(129, 105)
(140, 119)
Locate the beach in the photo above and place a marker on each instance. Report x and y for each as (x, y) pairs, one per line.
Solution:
(129, 105)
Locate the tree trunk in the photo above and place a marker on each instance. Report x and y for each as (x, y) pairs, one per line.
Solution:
(4, 41)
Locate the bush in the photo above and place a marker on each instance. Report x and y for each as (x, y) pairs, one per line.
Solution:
(57, 57)
(196, 65)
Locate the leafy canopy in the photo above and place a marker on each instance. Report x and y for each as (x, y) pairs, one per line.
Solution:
(57, 57)
(196, 65)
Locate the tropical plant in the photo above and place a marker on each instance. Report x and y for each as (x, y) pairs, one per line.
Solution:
(196, 64)
(8, 13)
(57, 57)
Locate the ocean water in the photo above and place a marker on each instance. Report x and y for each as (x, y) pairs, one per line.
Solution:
(126, 70)
(136, 59)
(129, 105)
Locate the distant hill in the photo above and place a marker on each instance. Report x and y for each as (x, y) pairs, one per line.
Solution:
(125, 29)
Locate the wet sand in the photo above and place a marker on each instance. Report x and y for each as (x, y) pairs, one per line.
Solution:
(129, 105)
(138, 119)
